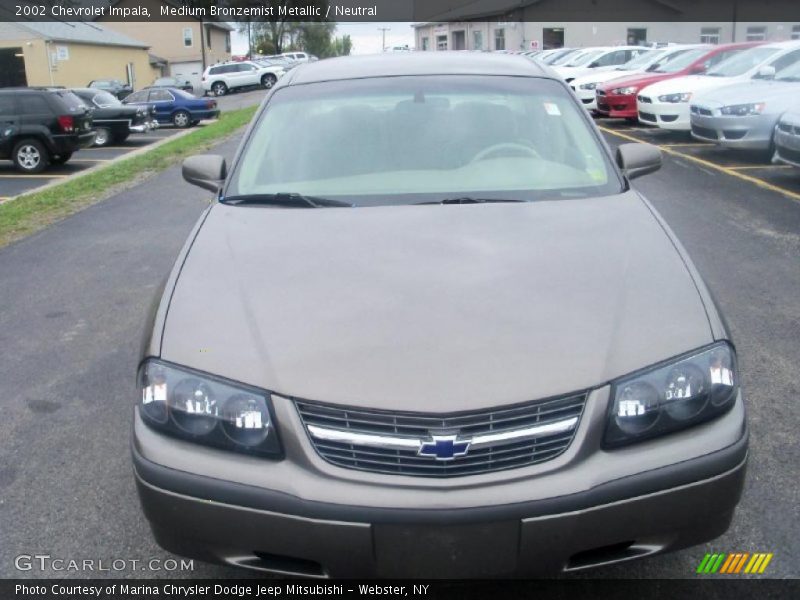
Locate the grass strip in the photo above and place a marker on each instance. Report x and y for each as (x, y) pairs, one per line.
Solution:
(33, 212)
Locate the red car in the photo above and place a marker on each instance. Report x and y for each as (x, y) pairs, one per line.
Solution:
(617, 98)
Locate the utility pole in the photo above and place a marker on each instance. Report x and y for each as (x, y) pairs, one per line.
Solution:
(383, 31)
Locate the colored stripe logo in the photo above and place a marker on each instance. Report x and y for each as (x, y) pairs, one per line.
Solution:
(734, 563)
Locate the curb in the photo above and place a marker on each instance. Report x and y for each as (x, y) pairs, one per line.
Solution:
(114, 160)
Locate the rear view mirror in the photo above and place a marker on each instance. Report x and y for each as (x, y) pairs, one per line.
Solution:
(637, 159)
(766, 72)
(207, 171)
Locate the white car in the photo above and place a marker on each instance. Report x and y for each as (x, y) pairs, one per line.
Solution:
(300, 56)
(597, 60)
(584, 86)
(222, 78)
(668, 101)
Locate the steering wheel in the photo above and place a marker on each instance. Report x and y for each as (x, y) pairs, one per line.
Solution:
(494, 148)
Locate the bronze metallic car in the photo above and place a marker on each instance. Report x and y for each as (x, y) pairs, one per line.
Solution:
(429, 330)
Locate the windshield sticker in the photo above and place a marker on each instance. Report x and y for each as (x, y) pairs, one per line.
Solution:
(552, 109)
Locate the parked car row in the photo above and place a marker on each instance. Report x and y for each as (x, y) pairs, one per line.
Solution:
(742, 95)
(42, 126)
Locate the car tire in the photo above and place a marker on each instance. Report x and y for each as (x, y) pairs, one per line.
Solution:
(181, 119)
(30, 156)
(60, 159)
(219, 88)
(102, 137)
(268, 80)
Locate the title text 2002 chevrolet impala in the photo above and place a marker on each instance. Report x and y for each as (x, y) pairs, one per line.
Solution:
(428, 329)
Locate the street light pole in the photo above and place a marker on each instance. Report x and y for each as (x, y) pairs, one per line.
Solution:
(383, 31)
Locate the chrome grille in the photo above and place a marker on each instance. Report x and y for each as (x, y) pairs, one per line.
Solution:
(391, 442)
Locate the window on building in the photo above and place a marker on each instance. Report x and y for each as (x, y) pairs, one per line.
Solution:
(459, 40)
(637, 36)
(441, 42)
(796, 32)
(208, 37)
(499, 39)
(477, 40)
(756, 34)
(709, 35)
(426, 43)
(228, 42)
(188, 37)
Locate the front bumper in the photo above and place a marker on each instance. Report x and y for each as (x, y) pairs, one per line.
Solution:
(617, 106)
(666, 115)
(787, 145)
(587, 97)
(322, 521)
(745, 133)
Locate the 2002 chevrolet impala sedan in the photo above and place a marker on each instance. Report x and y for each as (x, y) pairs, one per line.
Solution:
(428, 329)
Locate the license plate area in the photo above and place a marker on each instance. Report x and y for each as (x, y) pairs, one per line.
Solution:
(447, 551)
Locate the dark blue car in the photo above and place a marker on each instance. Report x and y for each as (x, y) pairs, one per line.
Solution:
(175, 106)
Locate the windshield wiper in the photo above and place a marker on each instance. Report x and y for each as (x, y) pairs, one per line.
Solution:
(470, 200)
(282, 199)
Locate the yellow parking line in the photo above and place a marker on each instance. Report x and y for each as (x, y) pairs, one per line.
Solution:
(22, 176)
(738, 167)
(711, 165)
(689, 145)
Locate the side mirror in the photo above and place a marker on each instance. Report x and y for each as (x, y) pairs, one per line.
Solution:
(637, 159)
(766, 72)
(207, 171)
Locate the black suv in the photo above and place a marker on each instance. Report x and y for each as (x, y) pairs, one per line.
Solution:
(40, 126)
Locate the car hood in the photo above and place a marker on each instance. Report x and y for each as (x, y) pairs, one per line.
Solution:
(602, 76)
(690, 83)
(433, 308)
(778, 95)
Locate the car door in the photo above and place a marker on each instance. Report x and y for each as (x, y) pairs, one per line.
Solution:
(9, 122)
(248, 74)
(164, 101)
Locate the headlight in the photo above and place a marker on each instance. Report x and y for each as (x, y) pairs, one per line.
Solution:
(625, 91)
(743, 110)
(681, 393)
(207, 410)
(675, 98)
(588, 86)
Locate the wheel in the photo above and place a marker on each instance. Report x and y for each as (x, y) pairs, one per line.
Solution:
(102, 136)
(120, 137)
(268, 80)
(219, 88)
(181, 119)
(30, 156)
(60, 159)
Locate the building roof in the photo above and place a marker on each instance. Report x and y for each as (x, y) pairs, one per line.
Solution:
(77, 31)
(415, 63)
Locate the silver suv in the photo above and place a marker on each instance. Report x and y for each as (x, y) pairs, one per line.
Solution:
(222, 78)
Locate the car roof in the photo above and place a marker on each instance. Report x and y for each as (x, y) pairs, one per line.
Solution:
(416, 63)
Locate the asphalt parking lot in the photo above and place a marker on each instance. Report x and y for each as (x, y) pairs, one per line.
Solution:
(13, 183)
(75, 296)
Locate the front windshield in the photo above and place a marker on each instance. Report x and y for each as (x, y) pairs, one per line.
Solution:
(399, 140)
(641, 61)
(584, 58)
(742, 62)
(104, 99)
(790, 73)
(680, 62)
(562, 56)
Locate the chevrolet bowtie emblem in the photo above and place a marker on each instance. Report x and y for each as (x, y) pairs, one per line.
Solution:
(444, 447)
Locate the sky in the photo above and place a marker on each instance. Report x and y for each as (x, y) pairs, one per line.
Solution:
(366, 37)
